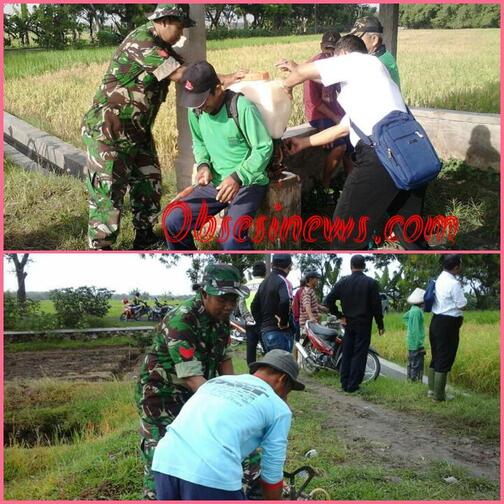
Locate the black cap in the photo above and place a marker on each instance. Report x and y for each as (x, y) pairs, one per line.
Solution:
(282, 260)
(312, 274)
(367, 24)
(197, 81)
(329, 38)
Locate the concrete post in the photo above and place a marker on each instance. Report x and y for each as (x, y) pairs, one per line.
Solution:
(194, 50)
(389, 17)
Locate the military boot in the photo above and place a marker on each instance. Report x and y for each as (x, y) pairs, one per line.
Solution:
(430, 378)
(146, 239)
(439, 386)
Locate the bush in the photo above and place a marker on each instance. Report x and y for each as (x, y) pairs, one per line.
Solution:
(108, 38)
(27, 317)
(72, 305)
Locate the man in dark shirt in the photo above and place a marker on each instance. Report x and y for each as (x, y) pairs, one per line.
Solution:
(360, 302)
(271, 307)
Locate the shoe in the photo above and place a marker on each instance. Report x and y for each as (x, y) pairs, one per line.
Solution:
(439, 386)
(146, 239)
(430, 378)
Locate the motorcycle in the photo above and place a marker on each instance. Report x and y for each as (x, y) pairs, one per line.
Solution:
(238, 333)
(135, 312)
(160, 310)
(322, 348)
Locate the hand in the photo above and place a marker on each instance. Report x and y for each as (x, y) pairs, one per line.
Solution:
(227, 190)
(204, 175)
(237, 76)
(296, 145)
(286, 65)
(381, 332)
(279, 323)
(288, 91)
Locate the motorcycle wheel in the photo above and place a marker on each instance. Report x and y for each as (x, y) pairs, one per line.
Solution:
(309, 365)
(373, 368)
(235, 339)
(122, 316)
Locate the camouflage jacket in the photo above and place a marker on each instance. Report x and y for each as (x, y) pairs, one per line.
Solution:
(133, 88)
(189, 343)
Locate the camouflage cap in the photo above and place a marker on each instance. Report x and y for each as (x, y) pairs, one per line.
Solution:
(220, 279)
(366, 24)
(174, 10)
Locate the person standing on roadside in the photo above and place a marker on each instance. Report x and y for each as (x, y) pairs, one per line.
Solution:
(253, 331)
(444, 329)
(272, 305)
(360, 301)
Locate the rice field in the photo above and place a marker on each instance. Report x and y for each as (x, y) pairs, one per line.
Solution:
(439, 68)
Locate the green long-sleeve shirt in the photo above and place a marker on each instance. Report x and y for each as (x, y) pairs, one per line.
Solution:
(414, 320)
(218, 142)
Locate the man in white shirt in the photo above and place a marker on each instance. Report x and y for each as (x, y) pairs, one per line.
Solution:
(368, 94)
(445, 325)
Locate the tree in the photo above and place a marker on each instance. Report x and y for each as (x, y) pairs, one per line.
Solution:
(19, 269)
(328, 265)
(72, 305)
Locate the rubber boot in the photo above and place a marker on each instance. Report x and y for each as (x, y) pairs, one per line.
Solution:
(145, 239)
(430, 378)
(439, 386)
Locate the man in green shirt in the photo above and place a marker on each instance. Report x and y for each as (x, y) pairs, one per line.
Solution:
(414, 320)
(370, 30)
(232, 151)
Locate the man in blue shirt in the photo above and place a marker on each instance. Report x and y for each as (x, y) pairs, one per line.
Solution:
(200, 457)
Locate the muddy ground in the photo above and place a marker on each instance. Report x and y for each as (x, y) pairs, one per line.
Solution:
(397, 439)
(96, 364)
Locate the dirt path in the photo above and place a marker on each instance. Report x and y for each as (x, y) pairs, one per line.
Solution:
(96, 364)
(400, 439)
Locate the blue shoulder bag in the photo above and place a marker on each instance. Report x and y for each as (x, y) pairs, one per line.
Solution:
(404, 149)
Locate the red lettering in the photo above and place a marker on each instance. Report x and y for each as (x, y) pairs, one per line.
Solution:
(295, 222)
(260, 229)
(338, 229)
(388, 232)
(273, 229)
(243, 223)
(312, 223)
(224, 229)
(363, 222)
(205, 223)
(186, 225)
(418, 222)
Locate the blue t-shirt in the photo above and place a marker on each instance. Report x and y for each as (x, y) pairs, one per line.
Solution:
(221, 424)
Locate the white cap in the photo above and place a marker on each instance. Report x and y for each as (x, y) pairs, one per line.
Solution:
(416, 297)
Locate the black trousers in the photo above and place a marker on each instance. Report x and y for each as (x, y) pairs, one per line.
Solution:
(444, 340)
(354, 357)
(253, 334)
(369, 191)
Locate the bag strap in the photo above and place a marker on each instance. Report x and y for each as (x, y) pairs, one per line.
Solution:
(366, 139)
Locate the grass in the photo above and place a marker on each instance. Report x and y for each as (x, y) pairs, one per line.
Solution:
(99, 457)
(477, 366)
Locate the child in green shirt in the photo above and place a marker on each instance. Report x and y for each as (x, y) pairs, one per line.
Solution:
(414, 320)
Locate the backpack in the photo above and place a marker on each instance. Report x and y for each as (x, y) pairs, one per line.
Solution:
(274, 167)
(404, 149)
(429, 296)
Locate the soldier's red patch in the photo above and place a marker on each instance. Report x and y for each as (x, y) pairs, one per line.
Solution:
(188, 85)
(163, 53)
(186, 353)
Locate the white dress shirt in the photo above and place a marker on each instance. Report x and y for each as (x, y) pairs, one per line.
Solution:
(368, 93)
(450, 297)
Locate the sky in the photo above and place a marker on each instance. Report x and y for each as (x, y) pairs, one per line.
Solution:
(120, 272)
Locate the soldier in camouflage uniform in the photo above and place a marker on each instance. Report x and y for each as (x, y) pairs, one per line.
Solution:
(191, 347)
(117, 129)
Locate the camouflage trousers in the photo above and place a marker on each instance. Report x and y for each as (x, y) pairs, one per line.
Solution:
(112, 169)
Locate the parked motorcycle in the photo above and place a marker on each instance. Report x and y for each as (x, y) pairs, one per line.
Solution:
(323, 346)
(135, 312)
(238, 333)
(160, 310)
